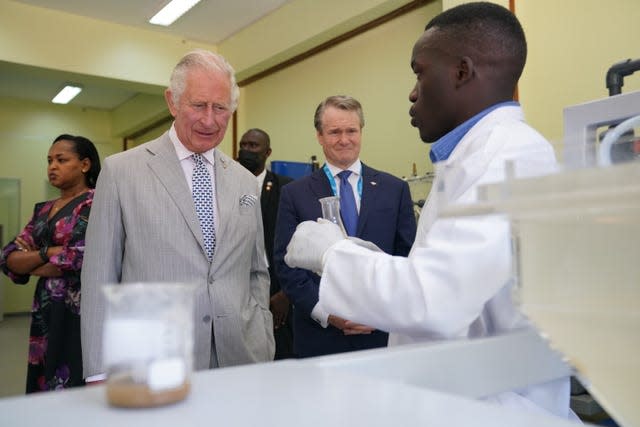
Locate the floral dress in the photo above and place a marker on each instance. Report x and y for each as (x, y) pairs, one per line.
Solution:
(55, 356)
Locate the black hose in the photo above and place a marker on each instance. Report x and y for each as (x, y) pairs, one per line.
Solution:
(617, 72)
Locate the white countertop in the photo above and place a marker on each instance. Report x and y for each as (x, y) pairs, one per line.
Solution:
(285, 393)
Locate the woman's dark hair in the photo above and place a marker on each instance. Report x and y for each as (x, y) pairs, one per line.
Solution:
(84, 148)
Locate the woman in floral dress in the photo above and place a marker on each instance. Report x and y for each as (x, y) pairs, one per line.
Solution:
(51, 247)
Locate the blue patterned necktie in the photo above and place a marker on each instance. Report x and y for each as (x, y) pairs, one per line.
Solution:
(348, 208)
(202, 193)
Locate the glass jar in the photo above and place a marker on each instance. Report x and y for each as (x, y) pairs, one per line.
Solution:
(148, 343)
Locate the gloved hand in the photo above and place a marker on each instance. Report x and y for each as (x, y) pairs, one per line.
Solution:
(309, 243)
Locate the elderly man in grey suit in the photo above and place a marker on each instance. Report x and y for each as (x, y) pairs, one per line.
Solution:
(177, 209)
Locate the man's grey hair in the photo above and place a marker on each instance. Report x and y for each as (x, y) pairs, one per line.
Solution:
(208, 61)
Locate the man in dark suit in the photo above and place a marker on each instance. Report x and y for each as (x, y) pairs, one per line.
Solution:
(382, 213)
(255, 148)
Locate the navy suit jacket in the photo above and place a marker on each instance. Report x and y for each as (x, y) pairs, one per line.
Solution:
(386, 218)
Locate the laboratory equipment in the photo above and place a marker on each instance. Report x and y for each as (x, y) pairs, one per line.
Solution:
(622, 135)
(621, 144)
(581, 122)
(617, 72)
(148, 343)
(331, 211)
(315, 165)
(419, 186)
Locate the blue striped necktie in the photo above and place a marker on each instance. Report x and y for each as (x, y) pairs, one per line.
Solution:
(202, 192)
(348, 208)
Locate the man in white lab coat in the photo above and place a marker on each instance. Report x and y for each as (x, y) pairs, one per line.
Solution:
(457, 281)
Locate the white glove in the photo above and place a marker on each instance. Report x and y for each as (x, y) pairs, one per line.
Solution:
(309, 243)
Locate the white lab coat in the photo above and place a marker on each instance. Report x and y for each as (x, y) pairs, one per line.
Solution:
(457, 280)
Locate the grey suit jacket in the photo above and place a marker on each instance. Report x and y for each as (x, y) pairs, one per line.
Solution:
(144, 228)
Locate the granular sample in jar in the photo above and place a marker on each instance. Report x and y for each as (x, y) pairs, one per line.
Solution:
(129, 394)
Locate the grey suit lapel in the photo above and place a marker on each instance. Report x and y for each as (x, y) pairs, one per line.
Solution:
(226, 196)
(166, 167)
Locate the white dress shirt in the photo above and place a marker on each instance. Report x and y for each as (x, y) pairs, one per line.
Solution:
(260, 179)
(318, 314)
(187, 164)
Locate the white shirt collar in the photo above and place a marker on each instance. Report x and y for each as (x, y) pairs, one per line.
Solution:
(355, 168)
(261, 178)
(182, 151)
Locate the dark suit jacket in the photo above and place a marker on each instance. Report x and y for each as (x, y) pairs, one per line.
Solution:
(269, 199)
(386, 218)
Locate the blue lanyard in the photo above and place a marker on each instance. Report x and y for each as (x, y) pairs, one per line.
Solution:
(332, 181)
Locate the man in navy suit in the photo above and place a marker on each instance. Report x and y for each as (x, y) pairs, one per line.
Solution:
(255, 148)
(382, 214)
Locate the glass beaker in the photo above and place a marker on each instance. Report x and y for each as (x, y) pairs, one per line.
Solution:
(331, 211)
(148, 343)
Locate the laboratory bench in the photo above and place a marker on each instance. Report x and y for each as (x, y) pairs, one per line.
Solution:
(401, 386)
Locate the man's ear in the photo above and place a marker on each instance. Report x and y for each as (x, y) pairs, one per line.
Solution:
(465, 71)
(168, 97)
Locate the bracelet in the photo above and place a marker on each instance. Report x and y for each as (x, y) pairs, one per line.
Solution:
(43, 254)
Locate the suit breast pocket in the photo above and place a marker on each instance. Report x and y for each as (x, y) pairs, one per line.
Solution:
(247, 204)
(247, 210)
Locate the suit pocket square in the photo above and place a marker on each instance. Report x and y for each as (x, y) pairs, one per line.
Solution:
(248, 200)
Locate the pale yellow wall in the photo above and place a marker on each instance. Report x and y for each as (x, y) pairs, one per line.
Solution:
(448, 4)
(572, 44)
(26, 132)
(372, 67)
(137, 113)
(296, 27)
(47, 38)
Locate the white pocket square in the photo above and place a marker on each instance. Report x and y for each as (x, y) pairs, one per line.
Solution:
(248, 200)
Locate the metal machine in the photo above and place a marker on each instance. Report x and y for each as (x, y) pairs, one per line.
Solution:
(582, 123)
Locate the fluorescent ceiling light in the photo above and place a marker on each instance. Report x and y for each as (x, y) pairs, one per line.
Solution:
(66, 94)
(172, 11)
